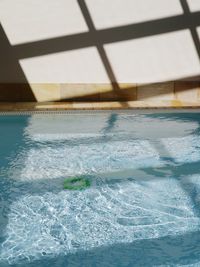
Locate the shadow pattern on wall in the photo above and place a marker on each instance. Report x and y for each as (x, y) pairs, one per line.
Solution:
(14, 85)
(10, 70)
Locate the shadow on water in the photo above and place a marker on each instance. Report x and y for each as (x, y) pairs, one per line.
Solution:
(185, 117)
(170, 250)
(165, 251)
(12, 134)
(112, 119)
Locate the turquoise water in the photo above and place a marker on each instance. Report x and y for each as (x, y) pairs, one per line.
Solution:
(141, 209)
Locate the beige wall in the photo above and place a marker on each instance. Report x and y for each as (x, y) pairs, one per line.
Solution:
(181, 91)
(96, 50)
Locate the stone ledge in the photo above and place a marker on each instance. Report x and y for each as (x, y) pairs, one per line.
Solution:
(56, 106)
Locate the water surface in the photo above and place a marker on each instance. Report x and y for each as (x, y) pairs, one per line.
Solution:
(143, 205)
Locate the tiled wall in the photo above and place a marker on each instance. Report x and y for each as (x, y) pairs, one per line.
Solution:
(64, 49)
(183, 91)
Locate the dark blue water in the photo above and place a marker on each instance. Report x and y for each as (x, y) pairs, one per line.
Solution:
(143, 204)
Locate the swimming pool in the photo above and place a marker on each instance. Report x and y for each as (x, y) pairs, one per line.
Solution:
(142, 207)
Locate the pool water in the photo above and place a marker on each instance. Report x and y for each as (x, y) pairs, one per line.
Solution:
(142, 207)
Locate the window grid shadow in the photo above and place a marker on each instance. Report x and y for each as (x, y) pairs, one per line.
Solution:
(98, 38)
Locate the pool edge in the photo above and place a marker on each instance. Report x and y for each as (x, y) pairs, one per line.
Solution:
(116, 105)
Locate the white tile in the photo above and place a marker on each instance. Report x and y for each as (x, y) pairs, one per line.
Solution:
(156, 58)
(26, 21)
(119, 12)
(194, 5)
(77, 66)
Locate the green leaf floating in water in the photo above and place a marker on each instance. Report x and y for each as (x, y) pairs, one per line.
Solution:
(76, 183)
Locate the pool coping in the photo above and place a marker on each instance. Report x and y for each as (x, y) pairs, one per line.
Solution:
(116, 105)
